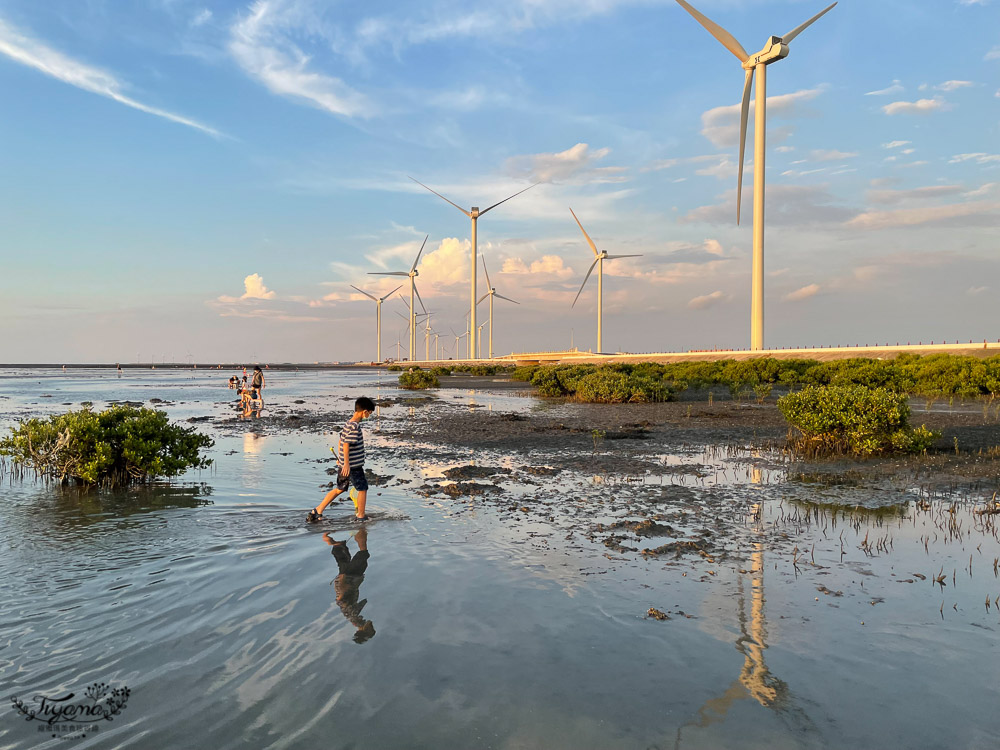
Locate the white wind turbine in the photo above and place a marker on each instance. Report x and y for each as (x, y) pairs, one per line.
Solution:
(479, 335)
(405, 318)
(599, 262)
(412, 273)
(474, 213)
(427, 338)
(458, 338)
(491, 294)
(775, 49)
(378, 317)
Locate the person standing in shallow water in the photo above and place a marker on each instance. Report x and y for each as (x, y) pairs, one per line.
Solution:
(347, 584)
(350, 462)
(257, 384)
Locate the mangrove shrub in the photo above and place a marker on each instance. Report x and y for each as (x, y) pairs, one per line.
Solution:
(417, 380)
(853, 419)
(120, 446)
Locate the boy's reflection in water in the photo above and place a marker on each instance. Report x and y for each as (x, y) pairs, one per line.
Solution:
(348, 583)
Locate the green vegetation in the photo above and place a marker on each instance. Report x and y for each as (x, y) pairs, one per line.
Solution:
(483, 370)
(394, 368)
(936, 375)
(611, 384)
(441, 371)
(418, 380)
(853, 419)
(120, 446)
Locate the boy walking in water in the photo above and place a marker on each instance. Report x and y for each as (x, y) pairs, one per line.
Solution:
(350, 462)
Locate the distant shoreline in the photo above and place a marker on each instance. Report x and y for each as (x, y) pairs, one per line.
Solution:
(176, 366)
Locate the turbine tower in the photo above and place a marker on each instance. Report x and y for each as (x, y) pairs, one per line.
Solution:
(775, 49)
(378, 317)
(491, 294)
(599, 262)
(474, 213)
(412, 273)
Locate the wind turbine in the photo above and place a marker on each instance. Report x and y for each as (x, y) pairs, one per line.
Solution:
(378, 317)
(427, 338)
(474, 213)
(412, 273)
(479, 334)
(491, 294)
(599, 262)
(408, 325)
(775, 49)
(457, 339)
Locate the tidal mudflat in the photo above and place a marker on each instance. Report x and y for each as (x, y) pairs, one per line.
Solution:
(541, 575)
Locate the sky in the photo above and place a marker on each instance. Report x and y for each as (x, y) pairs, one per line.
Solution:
(190, 180)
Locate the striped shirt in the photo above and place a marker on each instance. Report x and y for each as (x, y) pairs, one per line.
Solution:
(352, 435)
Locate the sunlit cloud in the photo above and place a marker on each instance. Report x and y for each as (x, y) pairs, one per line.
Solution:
(976, 213)
(576, 163)
(255, 289)
(721, 125)
(707, 300)
(895, 88)
(919, 107)
(804, 293)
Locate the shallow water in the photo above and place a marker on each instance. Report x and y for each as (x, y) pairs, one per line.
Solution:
(217, 606)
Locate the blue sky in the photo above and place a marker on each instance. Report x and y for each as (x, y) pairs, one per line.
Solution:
(208, 178)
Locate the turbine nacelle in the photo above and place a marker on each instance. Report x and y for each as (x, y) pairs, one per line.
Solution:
(773, 51)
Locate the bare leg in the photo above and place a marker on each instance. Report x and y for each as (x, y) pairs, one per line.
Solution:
(362, 498)
(330, 497)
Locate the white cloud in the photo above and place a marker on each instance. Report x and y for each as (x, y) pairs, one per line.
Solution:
(707, 300)
(895, 88)
(831, 155)
(919, 107)
(977, 290)
(547, 264)
(262, 48)
(979, 158)
(889, 197)
(804, 293)
(981, 191)
(36, 55)
(785, 149)
(576, 162)
(976, 213)
(255, 289)
(896, 144)
(201, 17)
(721, 125)
(953, 85)
(993, 54)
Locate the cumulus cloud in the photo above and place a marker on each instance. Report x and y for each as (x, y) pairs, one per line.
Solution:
(721, 125)
(896, 144)
(804, 293)
(919, 107)
(574, 164)
(552, 265)
(894, 88)
(255, 289)
(707, 300)
(260, 44)
(34, 54)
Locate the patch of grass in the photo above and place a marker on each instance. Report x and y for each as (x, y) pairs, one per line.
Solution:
(418, 380)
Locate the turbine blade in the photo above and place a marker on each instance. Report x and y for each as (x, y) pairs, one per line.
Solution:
(500, 296)
(417, 260)
(417, 292)
(728, 40)
(364, 293)
(589, 241)
(584, 282)
(392, 292)
(483, 297)
(486, 272)
(442, 197)
(616, 257)
(507, 199)
(744, 115)
(787, 38)
(388, 273)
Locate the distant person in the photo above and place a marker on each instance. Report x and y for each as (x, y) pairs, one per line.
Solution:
(347, 585)
(257, 384)
(233, 382)
(118, 366)
(350, 462)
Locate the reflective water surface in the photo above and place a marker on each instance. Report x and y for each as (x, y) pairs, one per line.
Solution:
(809, 617)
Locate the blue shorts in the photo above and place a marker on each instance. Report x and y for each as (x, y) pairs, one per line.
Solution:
(356, 477)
